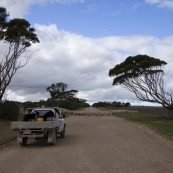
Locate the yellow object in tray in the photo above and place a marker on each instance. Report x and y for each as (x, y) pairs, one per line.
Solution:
(40, 119)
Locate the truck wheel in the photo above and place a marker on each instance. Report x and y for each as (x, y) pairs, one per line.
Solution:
(24, 141)
(62, 134)
(54, 137)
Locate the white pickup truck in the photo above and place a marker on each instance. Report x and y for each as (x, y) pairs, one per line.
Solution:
(39, 123)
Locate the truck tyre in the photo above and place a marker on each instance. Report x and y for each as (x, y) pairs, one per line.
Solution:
(62, 134)
(54, 137)
(24, 141)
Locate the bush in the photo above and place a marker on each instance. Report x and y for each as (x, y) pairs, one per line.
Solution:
(9, 111)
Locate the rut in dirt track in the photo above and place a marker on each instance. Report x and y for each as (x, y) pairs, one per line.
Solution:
(93, 144)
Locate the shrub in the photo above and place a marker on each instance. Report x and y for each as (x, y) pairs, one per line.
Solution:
(9, 111)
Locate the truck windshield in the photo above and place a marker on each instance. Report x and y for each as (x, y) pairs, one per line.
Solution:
(42, 112)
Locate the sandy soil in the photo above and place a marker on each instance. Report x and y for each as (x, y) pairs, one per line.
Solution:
(93, 144)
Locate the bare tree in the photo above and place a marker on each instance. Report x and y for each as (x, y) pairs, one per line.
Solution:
(144, 76)
(18, 35)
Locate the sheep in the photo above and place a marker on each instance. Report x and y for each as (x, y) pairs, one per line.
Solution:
(97, 113)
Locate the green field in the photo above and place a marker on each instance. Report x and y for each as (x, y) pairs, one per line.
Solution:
(161, 126)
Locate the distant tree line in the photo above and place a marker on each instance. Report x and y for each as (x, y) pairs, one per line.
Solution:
(111, 104)
(71, 104)
(9, 110)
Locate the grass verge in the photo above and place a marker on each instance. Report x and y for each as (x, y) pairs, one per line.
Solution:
(21, 115)
(103, 109)
(160, 125)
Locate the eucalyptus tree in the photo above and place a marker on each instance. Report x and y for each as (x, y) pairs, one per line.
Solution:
(17, 35)
(59, 91)
(144, 76)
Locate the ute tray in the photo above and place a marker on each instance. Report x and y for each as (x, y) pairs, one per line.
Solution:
(17, 125)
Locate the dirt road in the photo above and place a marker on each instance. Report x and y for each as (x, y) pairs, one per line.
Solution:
(93, 144)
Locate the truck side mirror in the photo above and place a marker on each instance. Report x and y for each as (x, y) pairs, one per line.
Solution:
(63, 116)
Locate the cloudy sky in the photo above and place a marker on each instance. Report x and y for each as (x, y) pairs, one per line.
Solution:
(80, 40)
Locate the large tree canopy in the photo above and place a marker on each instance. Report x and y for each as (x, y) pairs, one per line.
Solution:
(19, 31)
(143, 75)
(136, 66)
(64, 98)
(18, 35)
(59, 91)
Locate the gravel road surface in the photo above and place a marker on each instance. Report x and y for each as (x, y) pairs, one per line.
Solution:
(93, 144)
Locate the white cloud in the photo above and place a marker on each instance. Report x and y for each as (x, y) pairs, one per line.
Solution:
(92, 7)
(18, 8)
(153, 1)
(83, 63)
(161, 3)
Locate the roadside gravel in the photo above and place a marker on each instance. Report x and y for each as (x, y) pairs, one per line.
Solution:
(7, 137)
